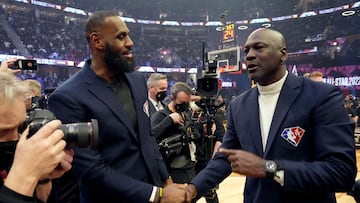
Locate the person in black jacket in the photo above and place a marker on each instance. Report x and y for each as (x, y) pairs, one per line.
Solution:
(26, 164)
(171, 127)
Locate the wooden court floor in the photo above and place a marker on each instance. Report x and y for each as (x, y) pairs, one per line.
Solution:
(231, 189)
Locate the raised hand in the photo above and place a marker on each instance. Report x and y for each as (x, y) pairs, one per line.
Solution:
(245, 163)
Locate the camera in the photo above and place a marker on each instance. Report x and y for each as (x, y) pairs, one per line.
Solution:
(83, 135)
(174, 144)
(41, 102)
(208, 85)
(25, 64)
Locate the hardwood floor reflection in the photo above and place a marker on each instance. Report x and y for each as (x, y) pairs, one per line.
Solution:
(231, 189)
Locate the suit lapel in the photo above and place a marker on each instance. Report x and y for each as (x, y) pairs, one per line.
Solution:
(287, 97)
(99, 89)
(254, 119)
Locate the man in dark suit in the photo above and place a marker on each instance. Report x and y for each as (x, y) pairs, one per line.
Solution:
(127, 166)
(290, 136)
(157, 85)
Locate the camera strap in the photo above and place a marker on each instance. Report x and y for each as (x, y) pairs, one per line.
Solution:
(187, 130)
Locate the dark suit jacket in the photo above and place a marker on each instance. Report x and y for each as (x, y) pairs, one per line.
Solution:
(321, 163)
(127, 163)
(152, 107)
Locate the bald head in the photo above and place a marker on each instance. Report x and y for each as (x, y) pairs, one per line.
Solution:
(270, 34)
(265, 56)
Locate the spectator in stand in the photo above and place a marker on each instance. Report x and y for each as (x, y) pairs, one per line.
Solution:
(306, 75)
(316, 76)
(351, 112)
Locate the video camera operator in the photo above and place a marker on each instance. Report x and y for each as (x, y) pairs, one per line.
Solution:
(209, 125)
(27, 164)
(171, 127)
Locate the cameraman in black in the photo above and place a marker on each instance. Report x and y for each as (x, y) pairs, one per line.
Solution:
(208, 123)
(171, 127)
(27, 165)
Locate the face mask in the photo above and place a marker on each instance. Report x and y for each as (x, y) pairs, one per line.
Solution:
(181, 107)
(7, 151)
(161, 95)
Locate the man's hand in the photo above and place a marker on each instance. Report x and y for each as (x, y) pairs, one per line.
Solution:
(174, 193)
(191, 193)
(245, 163)
(63, 166)
(169, 181)
(35, 158)
(177, 118)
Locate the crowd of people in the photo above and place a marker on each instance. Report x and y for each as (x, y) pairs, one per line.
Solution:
(51, 35)
(289, 147)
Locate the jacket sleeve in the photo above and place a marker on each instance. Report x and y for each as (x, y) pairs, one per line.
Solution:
(160, 122)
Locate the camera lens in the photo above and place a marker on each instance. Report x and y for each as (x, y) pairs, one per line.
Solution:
(85, 135)
(207, 86)
(81, 134)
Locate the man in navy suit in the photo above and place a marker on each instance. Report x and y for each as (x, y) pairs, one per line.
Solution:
(127, 166)
(289, 135)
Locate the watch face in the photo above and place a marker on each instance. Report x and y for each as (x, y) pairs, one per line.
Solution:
(270, 166)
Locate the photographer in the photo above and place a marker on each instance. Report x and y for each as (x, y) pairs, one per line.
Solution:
(26, 164)
(171, 127)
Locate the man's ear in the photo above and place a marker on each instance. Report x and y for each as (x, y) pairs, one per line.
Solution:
(96, 40)
(283, 55)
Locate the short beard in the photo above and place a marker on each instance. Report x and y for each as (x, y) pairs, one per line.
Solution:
(116, 63)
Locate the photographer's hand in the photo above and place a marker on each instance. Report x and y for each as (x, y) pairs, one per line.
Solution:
(4, 67)
(35, 158)
(177, 118)
(64, 165)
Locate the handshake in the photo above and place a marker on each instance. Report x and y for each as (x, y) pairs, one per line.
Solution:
(177, 193)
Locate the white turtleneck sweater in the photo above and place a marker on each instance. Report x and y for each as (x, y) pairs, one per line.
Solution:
(268, 97)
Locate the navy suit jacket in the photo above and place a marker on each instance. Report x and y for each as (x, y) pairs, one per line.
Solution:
(127, 163)
(322, 162)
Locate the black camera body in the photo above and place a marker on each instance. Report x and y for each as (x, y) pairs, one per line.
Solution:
(83, 135)
(208, 84)
(175, 143)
